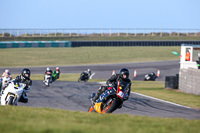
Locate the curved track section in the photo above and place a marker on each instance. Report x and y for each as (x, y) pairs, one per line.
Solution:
(75, 96)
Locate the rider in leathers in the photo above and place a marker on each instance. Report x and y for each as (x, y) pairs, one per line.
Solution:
(24, 78)
(123, 77)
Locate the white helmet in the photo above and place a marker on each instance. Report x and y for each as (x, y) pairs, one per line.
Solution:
(7, 71)
(48, 68)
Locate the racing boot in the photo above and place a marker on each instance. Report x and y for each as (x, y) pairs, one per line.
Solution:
(24, 98)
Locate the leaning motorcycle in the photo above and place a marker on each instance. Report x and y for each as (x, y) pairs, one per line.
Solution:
(84, 77)
(110, 100)
(12, 93)
(47, 79)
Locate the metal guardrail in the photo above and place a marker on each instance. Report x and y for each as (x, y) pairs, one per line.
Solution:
(97, 32)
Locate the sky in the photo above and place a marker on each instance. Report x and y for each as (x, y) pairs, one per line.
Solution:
(53, 14)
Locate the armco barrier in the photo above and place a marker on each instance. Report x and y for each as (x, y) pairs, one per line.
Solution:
(29, 44)
(131, 43)
(20, 44)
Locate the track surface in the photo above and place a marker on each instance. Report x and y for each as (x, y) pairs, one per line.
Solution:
(104, 71)
(75, 95)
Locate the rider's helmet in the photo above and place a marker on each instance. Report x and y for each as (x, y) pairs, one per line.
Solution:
(123, 72)
(48, 69)
(57, 69)
(7, 71)
(26, 73)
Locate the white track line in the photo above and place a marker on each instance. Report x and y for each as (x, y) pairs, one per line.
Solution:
(161, 100)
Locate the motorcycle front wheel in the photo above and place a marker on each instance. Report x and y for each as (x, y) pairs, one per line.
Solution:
(111, 105)
(10, 100)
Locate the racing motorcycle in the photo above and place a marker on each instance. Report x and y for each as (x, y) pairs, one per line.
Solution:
(150, 77)
(12, 93)
(84, 77)
(110, 100)
(47, 79)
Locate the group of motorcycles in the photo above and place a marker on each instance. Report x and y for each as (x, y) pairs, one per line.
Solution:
(11, 91)
(107, 102)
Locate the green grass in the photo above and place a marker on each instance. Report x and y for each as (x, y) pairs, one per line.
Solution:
(44, 120)
(157, 89)
(26, 57)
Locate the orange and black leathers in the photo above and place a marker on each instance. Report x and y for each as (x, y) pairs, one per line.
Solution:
(113, 80)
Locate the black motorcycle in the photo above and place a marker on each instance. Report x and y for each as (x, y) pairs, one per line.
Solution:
(84, 77)
(150, 77)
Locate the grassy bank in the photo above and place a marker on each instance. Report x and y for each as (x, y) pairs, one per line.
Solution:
(43, 120)
(18, 57)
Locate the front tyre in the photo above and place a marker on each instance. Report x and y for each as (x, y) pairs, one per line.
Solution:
(10, 101)
(111, 105)
(91, 109)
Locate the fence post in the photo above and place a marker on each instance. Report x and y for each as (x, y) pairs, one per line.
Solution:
(144, 32)
(10, 33)
(118, 32)
(78, 33)
(101, 32)
(160, 32)
(33, 33)
(3, 32)
(178, 32)
(17, 32)
(196, 33)
(126, 32)
(110, 32)
(25, 32)
(135, 32)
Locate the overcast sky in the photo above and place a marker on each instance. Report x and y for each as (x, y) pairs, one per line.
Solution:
(184, 14)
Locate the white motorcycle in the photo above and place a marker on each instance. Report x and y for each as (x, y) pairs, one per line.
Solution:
(12, 93)
(47, 80)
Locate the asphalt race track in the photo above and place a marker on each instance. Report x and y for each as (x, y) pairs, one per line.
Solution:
(75, 95)
(104, 71)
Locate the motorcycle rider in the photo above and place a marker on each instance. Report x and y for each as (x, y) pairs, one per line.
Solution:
(123, 77)
(24, 78)
(48, 72)
(6, 73)
(56, 74)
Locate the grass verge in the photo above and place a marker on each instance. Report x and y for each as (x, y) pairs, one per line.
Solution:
(83, 55)
(44, 120)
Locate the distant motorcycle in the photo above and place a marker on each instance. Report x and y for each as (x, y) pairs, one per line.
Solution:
(47, 79)
(110, 100)
(84, 77)
(150, 77)
(5, 80)
(12, 93)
